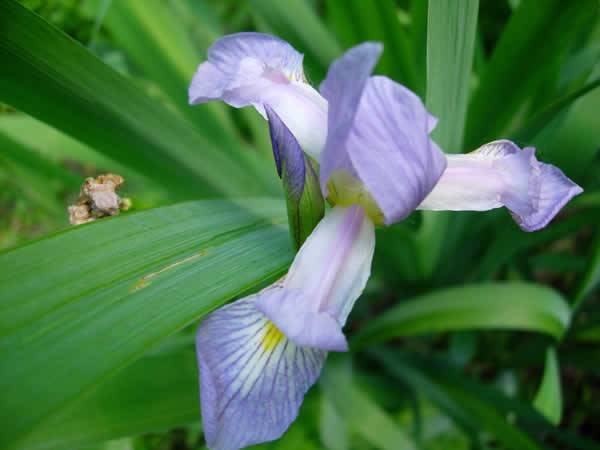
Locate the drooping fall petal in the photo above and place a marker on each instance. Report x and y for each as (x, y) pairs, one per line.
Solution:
(252, 378)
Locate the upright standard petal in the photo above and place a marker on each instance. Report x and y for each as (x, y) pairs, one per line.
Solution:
(501, 174)
(378, 149)
(326, 278)
(252, 378)
(256, 69)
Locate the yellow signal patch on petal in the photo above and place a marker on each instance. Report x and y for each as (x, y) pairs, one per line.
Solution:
(271, 337)
(345, 190)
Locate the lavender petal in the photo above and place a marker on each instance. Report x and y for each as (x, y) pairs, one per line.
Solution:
(252, 379)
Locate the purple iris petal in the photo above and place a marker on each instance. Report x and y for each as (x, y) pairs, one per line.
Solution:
(292, 313)
(326, 278)
(252, 379)
(239, 64)
(501, 174)
(286, 151)
(343, 88)
(256, 69)
(379, 134)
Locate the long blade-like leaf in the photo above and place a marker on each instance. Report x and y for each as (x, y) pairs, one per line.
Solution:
(465, 408)
(361, 413)
(516, 72)
(294, 20)
(78, 306)
(50, 76)
(154, 393)
(451, 31)
(494, 305)
(548, 399)
(153, 37)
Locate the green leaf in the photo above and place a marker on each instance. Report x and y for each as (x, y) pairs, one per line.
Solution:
(472, 413)
(514, 72)
(513, 240)
(155, 393)
(544, 117)
(44, 180)
(80, 95)
(63, 153)
(451, 32)
(78, 306)
(332, 428)
(518, 306)
(573, 132)
(151, 34)
(548, 400)
(357, 21)
(295, 21)
(358, 410)
(591, 279)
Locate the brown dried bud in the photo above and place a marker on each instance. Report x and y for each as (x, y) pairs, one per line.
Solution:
(97, 199)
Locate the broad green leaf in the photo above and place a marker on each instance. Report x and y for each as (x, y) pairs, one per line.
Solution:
(357, 409)
(515, 73)
(78, 306)
(451, 29)
(518, 306)
(155, 393)
(78, 94)
(151, 34)
(548, 400)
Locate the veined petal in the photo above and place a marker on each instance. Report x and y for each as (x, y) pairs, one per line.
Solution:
(501, 174)
(240, 61)
(326, 278)
(379, 135)
(286, 152)
(292, 312)
(256, 69)
(252, 379)
(343, 88)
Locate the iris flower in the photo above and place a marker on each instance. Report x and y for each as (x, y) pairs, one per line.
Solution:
(259, 355)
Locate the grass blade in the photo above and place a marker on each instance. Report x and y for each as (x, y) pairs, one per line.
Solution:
(451, 31)
(548, 400)
(515, 73)
(360, 412)
(151, 34)
(296, 22)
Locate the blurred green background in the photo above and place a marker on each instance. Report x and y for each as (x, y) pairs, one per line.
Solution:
(471, 334)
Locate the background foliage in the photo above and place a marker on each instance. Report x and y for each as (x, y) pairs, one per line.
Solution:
(471, 334)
